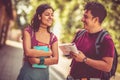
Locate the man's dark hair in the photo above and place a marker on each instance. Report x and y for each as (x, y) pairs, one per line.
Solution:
(97, 10)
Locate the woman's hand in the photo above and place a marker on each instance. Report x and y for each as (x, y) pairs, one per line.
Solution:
(49, 53)
(34, 60)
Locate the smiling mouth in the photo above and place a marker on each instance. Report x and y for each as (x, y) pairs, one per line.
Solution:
(50, 21)
(85, 23)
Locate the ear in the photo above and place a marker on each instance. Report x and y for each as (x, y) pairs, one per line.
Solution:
(39, 17)
(96, 19)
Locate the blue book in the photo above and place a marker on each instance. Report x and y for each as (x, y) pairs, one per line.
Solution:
(44, 48)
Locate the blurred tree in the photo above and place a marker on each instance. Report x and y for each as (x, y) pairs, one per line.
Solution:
(70, 14)
(22, 8)
(6, 15)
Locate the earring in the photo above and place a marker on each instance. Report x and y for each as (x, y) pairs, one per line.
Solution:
(39, 17)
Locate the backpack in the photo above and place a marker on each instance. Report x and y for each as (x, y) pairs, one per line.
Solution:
(106, 75)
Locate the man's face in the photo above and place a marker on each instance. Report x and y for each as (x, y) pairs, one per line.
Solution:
(88, 20)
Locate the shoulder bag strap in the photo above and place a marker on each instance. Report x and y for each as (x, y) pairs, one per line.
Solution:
(80, 33)
(100, 39)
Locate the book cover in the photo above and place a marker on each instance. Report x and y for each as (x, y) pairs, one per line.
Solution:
(44, 48)
(67, 47)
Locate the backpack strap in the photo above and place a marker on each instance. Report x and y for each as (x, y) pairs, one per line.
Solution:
(100, 39)
(107, 75)
(115, 62)
(80, 33)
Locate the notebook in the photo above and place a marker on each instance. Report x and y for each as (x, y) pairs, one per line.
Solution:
(44, 48)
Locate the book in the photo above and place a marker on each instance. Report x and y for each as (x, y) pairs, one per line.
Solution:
(67, 47)
(44, 48)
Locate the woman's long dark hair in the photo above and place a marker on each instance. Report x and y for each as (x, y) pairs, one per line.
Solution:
(35, 22)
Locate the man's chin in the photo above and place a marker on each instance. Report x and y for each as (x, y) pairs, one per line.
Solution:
(85, 27)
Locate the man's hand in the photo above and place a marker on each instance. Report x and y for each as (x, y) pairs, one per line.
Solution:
(78, 57)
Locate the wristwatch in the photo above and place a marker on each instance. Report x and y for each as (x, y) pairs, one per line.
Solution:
(85, 59)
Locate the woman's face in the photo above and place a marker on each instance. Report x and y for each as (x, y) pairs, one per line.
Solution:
(46, 18)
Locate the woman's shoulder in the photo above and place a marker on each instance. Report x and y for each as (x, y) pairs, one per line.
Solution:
(28, 29)
(53, 38)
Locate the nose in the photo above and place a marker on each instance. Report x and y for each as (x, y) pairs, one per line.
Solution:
(50, 16)
(83, 19)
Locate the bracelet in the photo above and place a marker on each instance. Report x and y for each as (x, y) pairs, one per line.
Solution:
(85, 59)
(42, 60)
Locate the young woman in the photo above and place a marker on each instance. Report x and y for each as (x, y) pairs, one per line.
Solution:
(38, 34)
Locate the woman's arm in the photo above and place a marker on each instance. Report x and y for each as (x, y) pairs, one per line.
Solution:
(27, 47)
(51, 60)
(55, 56)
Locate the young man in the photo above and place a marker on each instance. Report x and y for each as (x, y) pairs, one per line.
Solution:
(87, 65)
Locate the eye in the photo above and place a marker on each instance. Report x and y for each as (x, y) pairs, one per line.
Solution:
(52, 14)
(47, 14)
(85, 16)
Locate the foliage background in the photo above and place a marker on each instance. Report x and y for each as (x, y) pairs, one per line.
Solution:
(69, 14)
